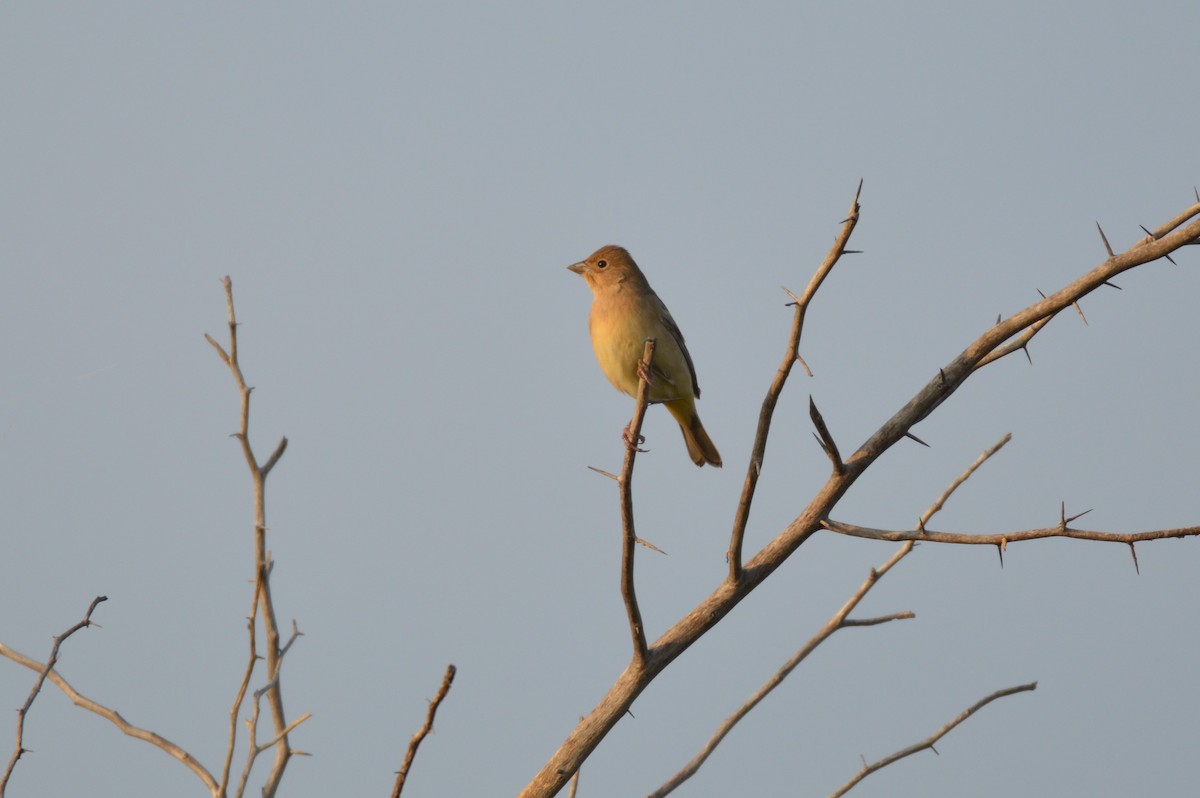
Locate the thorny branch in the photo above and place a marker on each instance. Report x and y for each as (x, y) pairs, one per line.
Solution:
(743, 578)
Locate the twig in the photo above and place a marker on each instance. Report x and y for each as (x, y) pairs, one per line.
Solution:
(235, 710)
(19, 747)
(929, 742)
(791, 356)
(629, 536)
(941, 500)
(415, 742)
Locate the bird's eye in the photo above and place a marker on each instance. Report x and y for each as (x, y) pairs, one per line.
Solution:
(600, 264)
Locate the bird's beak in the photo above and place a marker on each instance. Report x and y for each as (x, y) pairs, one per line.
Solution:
(578, 268)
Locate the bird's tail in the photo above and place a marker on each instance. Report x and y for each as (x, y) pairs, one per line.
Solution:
(700, 447)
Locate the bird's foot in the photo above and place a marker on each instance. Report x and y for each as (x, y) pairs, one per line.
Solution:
(644, 373)
(627, 436)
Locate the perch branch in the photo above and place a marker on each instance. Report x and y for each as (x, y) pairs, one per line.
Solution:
(625, 482)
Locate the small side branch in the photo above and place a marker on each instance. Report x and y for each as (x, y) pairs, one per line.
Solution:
(19, 747)
(424, 731)
(629, 535)
(971, 469)
(790, 357)
(929, 742)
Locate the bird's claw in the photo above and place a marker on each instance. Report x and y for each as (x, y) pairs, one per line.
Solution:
(644, 373)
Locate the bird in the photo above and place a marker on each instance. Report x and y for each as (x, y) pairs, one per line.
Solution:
(625, 312)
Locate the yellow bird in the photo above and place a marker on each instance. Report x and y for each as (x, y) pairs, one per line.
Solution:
(625, 312)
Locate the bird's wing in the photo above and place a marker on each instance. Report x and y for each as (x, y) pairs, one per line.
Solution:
(673, 329)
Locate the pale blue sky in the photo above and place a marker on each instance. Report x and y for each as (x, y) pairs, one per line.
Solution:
(395, 190)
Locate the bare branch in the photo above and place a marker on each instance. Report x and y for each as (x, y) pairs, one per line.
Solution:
(1003, 539)
(252, 623)
(19, 746)
(415, 742)
(258, 476)
(791, 356)
(115, 718)
(929, 742)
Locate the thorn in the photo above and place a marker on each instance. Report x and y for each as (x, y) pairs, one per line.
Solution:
(915, 438)
(998, 315)
(1040, 292)
(613, 477)
(795, 299)
(858, 192)
(1062, 515)
(1196, 191)
(1133, 551)
(1148, 233)
(921, 525)
(1080, 515)
(931, 748)
(1104, 238)
(1079, 310)
(1112, 285)
(821, 443)
(1168, 257)
(1028, 356)
(649, 545)
(942, 374)
(800, 360)
(852, 252)
(1000, 551)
